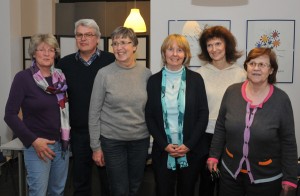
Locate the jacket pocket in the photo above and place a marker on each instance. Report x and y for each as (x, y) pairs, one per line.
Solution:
(265, 163)
(229, 153)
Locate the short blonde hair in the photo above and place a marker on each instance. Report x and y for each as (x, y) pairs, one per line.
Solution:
(37, 39)
(181, 42)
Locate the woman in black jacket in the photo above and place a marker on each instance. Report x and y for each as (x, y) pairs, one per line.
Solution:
(176, 116)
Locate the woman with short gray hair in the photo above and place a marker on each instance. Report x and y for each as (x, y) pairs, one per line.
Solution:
(119, 136)
(40, 92)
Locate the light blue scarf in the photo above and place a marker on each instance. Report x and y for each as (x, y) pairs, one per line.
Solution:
(182, 161)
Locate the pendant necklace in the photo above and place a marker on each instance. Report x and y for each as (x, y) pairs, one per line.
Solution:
(172, 83)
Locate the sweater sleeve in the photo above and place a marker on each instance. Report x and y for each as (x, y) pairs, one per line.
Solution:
(12, 109)
(288, 142)
(218, 141)
(96, 103)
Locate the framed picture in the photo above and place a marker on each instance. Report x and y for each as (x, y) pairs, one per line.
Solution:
(67, 45)
(142, 53)
(26, 57)
(192, 30)
(278, 35)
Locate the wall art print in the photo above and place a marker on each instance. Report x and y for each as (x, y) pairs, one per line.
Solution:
(278, 35)
(192, 30)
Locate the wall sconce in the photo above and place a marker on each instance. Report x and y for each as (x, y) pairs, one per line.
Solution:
(135, 21)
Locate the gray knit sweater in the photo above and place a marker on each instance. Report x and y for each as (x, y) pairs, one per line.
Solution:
(118, 104)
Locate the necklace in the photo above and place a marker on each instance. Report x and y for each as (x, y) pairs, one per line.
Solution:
(173, 83)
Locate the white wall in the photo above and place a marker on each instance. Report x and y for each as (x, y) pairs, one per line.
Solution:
(10, 54)
(19, 18)
(238, 12)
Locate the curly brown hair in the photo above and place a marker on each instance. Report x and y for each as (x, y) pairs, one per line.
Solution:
(232, 54)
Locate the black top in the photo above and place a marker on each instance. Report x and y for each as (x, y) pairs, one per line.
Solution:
(80, 80)
(195, 116)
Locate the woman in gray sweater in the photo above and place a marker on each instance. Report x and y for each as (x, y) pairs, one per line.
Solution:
(118, 133)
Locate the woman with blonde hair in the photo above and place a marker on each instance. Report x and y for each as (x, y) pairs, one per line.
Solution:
(176, 116)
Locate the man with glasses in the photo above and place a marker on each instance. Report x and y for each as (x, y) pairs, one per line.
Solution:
(80, 69)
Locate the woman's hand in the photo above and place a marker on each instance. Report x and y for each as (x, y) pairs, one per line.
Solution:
(286, 189)
(182, 150)
(171, 149)
(177, 151)
(212, 165)
(42, 150)
(98, 157)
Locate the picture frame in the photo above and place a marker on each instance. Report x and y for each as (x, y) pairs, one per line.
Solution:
(192, 30)
(67, 45)
(26, 58)
(279, 35)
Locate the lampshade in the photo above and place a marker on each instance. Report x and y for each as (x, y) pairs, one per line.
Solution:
(135, 21)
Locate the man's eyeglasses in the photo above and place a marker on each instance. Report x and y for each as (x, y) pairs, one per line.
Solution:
(260, 65)
(86, 36)
(43, 50)
(122, 44)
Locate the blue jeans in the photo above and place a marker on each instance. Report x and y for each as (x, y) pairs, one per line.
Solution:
(125, 163)
(46, 178)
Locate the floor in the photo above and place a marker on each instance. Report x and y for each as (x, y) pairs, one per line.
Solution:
(9, 181)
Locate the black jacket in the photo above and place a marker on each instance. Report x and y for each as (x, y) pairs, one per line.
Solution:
(195, 116)
(80, 80)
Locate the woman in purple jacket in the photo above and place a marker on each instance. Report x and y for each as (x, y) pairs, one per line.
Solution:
(40, 92)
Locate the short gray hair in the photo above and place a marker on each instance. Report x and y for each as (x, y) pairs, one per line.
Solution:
(124, 32)
(91, 23)
(37, 39)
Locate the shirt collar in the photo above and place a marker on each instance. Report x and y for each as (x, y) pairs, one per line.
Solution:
(91, 60)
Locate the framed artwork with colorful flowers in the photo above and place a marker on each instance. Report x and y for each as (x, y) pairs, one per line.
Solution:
(278, 35)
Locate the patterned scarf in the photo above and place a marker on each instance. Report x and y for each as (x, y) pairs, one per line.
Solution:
(182, 161)
(59, 88)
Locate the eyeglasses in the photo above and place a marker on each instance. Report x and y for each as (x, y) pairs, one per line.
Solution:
(86, 36)
(122, 44)
(260, 65)
(44, 50)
